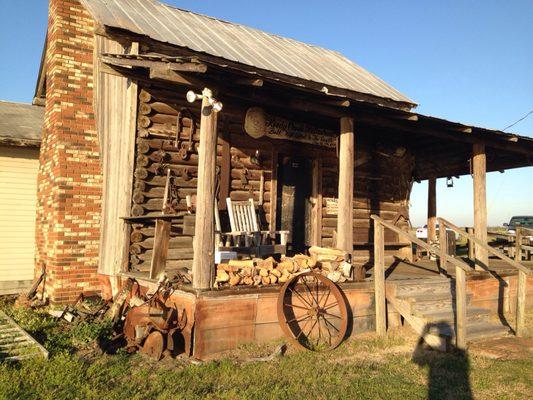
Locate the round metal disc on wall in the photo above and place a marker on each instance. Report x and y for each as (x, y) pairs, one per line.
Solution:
(255, 122)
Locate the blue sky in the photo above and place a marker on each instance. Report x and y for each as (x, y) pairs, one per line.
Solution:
(467, 61)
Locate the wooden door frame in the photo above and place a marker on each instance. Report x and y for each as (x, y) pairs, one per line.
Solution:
(316, 197)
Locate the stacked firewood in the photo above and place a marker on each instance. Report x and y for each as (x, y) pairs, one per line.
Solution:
(263, 272)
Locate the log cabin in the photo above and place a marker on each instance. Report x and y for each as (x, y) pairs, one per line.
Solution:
(156, 115)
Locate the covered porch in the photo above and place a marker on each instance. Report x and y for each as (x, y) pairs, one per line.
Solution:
(321, 163)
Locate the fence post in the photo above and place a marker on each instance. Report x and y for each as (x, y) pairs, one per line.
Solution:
(521, 287)
(460, 308)
(379, 279)
(443, 247)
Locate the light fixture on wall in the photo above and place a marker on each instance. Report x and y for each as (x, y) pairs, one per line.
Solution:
(449, 182)
(256, 158)
(208, 94)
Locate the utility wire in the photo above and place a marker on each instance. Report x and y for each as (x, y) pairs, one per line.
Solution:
(521, 119)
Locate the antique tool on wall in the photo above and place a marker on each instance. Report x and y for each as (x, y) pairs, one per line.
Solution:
(170, 196)
(261, 187)
(244, 177)
(185, 174)
(186, 148)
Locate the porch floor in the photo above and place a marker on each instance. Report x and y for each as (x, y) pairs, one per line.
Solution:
(396, 270)
(425, 268)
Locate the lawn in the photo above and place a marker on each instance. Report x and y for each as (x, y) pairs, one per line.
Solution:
(361, 368)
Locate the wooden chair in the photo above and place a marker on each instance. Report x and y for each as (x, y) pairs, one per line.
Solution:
(245, 234)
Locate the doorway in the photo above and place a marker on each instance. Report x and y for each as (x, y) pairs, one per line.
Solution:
(293, 201)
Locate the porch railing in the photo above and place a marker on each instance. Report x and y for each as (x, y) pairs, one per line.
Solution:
(379, 277)
(523, 271)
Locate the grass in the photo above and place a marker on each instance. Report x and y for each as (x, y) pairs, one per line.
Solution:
(364, 367)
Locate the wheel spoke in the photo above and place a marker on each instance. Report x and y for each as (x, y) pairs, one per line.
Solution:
(295, 306)
(298, 320)
(327, 297)
(313, 300)
(301, 297)
(302, 329)
(310, 330)
(317, 284)
(328, 322)
(330, 306)
(331, 315)
(326, 326)
(319, 330)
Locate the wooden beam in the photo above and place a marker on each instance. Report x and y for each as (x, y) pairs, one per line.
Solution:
(479, 169)
(225, 169)
(172, 66)
(160, 251)
(485, 246)
(521, 303)
(471, 246)
(443, 246)
(431, 249)
(273, 190)
(168, 75)
(460, 308)
(346, 178)
(379, 278)
(249, 82)
(204, 237)
(432, 210)
(444, 133)
(316, 196)
(521, 288)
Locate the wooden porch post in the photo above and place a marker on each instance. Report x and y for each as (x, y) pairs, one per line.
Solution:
(346, 175)
(379, 279)
(432, 210)
(204, 235)
(520, 289)
(479, 170)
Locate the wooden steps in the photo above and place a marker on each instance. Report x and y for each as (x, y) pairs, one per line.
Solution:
(428, 306)
(16, 343)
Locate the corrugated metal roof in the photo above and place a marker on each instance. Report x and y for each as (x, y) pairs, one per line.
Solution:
(240, 44)
(21, 121)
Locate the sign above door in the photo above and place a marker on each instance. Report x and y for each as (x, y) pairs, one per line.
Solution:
(258, 123)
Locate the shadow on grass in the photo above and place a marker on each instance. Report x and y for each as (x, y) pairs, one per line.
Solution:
(448, 372)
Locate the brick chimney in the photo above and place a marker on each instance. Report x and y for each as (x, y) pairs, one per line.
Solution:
(70, 180)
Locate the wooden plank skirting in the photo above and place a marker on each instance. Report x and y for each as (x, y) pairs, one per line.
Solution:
(222, 320)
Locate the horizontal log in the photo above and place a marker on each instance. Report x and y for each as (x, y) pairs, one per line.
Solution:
(168, 144)
(170, 265)
(142, 232)
(173, 254)
(142, 146)
(175, 242)
(177, 169)
(241, 195)
(146, 187)
(144, 96)
(252, 174)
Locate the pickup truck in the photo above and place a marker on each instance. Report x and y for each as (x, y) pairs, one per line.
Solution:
(525, 221)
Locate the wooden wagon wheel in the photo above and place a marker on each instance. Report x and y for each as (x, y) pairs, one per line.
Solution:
(312, 312)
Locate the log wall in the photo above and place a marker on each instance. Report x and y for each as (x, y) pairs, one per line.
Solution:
(382, 179)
